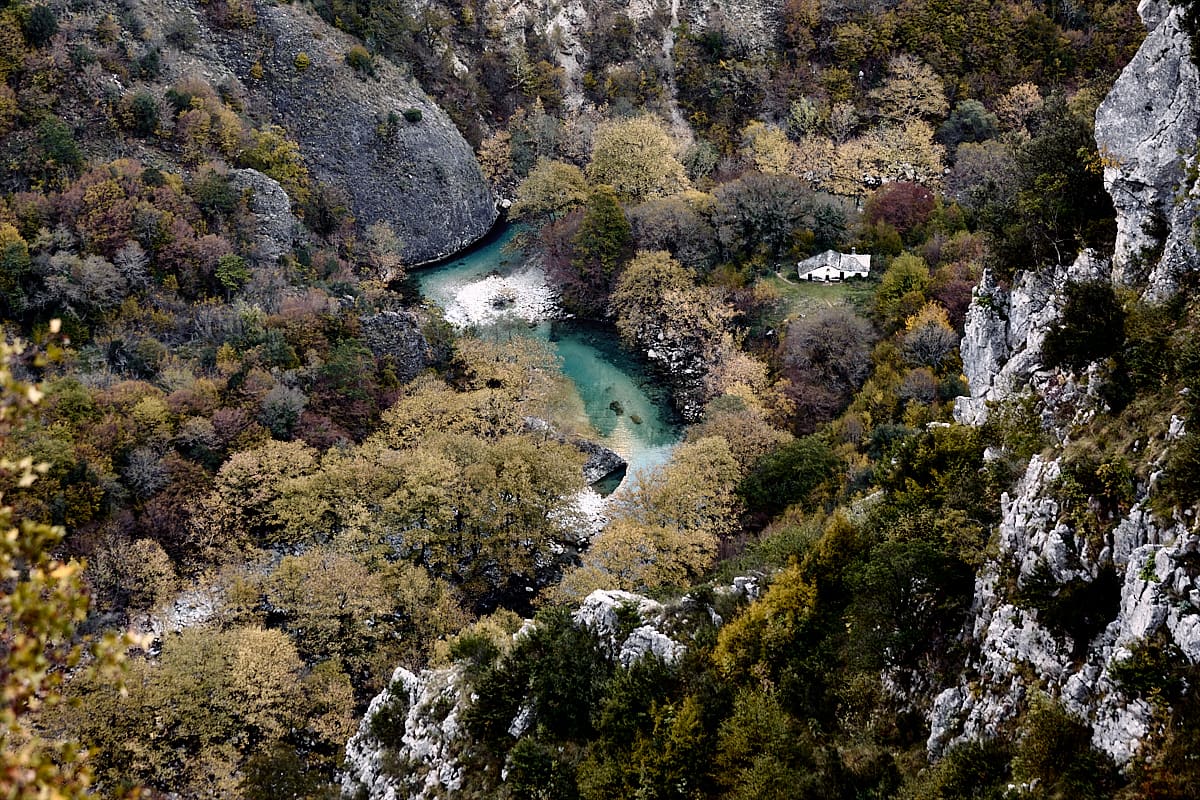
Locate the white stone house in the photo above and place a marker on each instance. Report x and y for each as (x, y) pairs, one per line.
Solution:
(832, 266)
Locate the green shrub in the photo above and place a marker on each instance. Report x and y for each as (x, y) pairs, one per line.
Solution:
(141, 114)
(360, 60)
(182, 33)
(232, 272)
(301, 62)
(1077, 610)
(1092, 326)
(1154, 670)
(58, 151)
(149, 66)
(1055, 750)
(475, 648)
(413, 115)
(387, 723)
(275, 155)
(1190, 23)
(40, 26)
(1181, 479)
(975, 770)
(1093, 495)
(214, 194)
(788, 475)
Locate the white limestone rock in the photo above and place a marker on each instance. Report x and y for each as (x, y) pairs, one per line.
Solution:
(602, 612)
(1002, 342)
(408, 746)
(275, 226)
(427, 745)
(1147, 132)
(1146, 129)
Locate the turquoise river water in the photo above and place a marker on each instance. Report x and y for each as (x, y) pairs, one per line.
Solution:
(624, 408)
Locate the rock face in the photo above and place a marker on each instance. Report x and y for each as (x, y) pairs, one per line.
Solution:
(754, 24)
(1002, 342)
(274, 224)
(1146, 129)
(395, 337)
(601, 613)
(683, 366)
(1139, 572)
(410, 742)
(601, 462)
(1017, 649)
(420, 176)
(406, 746)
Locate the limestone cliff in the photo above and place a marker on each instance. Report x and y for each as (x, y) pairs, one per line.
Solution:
(411, 742)
(754, 24)
(1132, 576)
(1146, 131)
(418, 174)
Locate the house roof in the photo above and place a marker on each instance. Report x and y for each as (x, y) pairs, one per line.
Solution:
(843, 262)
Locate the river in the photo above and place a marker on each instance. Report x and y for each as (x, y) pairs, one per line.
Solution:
(620, 403)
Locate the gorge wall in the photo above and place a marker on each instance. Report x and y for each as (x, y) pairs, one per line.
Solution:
(415, 172)
(1139, 572)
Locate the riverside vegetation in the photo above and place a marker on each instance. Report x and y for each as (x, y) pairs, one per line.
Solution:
(293, 476)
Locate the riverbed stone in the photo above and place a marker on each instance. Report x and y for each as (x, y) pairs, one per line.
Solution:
(601, 461)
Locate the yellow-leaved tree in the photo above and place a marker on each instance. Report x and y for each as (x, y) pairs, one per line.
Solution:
(636, 156)
(42, 601)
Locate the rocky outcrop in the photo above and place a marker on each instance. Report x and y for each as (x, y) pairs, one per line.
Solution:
(1002, 342)
(1140, 573)
(191, 607)
(395, 338)
(379, 139)
(601, 462)
(1018, 650)
(407, 744)
(410, 743)
(605, 612)
(752, 24)
(275, 226)
(1146, 129)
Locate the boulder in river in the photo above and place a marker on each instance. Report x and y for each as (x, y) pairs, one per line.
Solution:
(601, 461)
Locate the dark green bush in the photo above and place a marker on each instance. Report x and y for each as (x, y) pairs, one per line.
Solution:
(788, 475)
(214, 194)
(537, 769)
(149, 66)
(1055, 750)
(1181, 479)
(387, 723)
(413, 115)
(970, 771)
(1092, 327)
(1191, 24)
(143, 114)
(909, 600)
(1077, 610)
(40, 26)
(476, 649)
(58, 151)
(1154, 670)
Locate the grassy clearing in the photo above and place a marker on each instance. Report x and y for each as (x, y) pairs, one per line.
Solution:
(804, 296)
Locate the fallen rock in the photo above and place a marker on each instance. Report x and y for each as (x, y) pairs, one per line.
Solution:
(601, 462)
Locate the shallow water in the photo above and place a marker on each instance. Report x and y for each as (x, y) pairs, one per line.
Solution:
(628, 412)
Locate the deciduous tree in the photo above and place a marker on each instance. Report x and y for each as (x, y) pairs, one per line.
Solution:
(637, 158)
(911, 90)
(549, 192)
